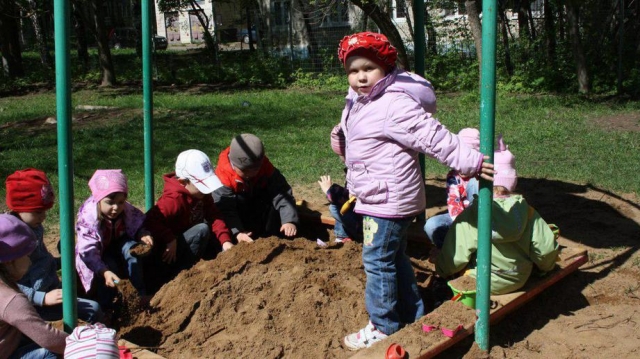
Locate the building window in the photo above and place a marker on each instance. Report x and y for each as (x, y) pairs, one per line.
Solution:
(400, 9)
(280, 12)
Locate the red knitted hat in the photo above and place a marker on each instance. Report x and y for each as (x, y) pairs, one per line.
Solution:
(29, 190)
(376, 47)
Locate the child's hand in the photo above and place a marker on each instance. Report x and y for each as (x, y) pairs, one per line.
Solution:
(245, 237)
(325, 183)
(487, 171)
(148, 240)
(226, 246)
(289, 229)
(53, 297)
(169, 255)
(111, 279)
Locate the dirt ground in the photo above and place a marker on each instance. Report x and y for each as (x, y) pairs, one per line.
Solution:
(280, 298)
(293, 299)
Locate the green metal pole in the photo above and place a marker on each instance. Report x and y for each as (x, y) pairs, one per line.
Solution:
(65, 164)
(487, 129)
(147, 90)
(419, 48)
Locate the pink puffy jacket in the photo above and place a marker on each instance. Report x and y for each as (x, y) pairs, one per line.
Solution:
(384, 132)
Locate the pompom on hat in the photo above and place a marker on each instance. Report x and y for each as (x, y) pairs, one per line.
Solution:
(29, 190)
(471, 137)
(246, 151)
(106, 182)
(376, 47)
(504, 163)
(16, 238)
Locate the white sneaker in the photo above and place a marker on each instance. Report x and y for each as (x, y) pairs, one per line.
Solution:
(364, 338)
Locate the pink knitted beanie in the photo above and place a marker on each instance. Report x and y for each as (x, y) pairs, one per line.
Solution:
(106, 182)
(504, 163)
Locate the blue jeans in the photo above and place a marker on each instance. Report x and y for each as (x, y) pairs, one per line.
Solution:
(88, 310)
(391, 295)
(32, 351)
(116, 253)
(192, 244)
(437, 226)
(346, 225)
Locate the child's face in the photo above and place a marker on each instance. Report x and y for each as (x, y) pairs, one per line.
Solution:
(111, 206)
(247, 173)
(362, 74)
(33, 219)
(19, 267)
(193, 190)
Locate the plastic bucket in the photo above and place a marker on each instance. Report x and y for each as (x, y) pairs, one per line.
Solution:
(467, 298)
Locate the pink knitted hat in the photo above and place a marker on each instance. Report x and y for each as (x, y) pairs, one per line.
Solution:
(504, 163)
(471, 137)
(106, 182)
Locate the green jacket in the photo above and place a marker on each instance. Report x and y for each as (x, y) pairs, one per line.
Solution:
(520, 238)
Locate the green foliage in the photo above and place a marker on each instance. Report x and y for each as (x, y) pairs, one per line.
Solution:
(325, 81)
(552, 136)
(452, 72)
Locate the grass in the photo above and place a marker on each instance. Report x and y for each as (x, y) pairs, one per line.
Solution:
(552, 137)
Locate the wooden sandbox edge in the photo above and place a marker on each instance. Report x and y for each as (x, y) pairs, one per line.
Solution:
(571, 258)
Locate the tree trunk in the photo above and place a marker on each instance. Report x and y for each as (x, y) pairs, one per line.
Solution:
(35, 15)
(81, 34)
(104, 52)
(249, 28)
(10, 40)
(310, 35)
(473, 15)
(532, 26)
(505, 42)
(210, 43)
(387, 27)
(523, 19)
(550, 34)
(431, 32)
(584, 85)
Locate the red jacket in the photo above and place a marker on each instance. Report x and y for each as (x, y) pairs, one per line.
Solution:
(172, 214)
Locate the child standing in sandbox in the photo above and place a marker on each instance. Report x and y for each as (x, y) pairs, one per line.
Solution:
(29, 197)
(108, 231)
(387, 121)
(520, 238)
(255, 198)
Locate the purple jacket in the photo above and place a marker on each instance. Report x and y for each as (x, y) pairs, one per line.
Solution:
(384, 133)
(89, 246)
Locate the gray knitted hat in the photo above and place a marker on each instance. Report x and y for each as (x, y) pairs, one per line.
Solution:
(246, 151)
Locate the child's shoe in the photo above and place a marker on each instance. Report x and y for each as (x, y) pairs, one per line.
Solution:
(364, 338)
